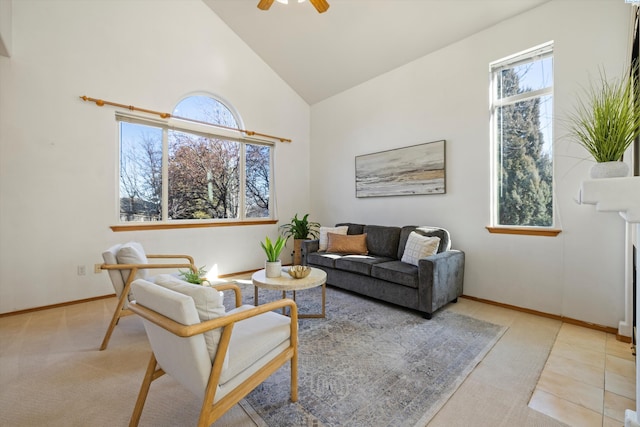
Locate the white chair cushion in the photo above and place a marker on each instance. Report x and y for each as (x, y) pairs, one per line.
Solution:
(252, 339)
(132, 253)
(209, 304)
(185, 359)
(109, 257)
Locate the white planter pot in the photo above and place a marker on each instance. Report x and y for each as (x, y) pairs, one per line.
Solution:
(609, 170)
(273, 269)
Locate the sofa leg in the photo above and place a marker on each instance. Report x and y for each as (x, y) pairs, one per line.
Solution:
(455, 300)
(426, 316)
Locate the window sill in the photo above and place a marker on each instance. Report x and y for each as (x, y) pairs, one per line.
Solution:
(525, 231)
(139, 226)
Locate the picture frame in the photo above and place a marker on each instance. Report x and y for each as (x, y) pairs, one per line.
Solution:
(408, 171)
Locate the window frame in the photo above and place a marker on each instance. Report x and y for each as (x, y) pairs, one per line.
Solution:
(539, 52)
(205, 130)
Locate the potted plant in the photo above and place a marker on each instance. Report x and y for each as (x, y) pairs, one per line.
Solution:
(606, 121)
(273, 265)
(300, 229)
(197, 278)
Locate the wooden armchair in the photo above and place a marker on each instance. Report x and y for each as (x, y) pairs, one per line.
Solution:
(252, 343)
(127, 262)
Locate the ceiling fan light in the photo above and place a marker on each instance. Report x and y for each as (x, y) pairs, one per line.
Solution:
(287, 1)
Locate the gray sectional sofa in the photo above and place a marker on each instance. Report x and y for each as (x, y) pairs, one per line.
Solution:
(433, 283)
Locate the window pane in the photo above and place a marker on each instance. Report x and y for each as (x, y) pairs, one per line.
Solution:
(527, 77)
(140, 172)
(525, 172)
(204, 178)
(257, 176)
(205, 109)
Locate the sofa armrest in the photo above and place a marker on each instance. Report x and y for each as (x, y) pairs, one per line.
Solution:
(307, 247)
(440, 279)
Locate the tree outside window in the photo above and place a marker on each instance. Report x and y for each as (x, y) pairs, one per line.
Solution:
(522, 110)
(186, 172)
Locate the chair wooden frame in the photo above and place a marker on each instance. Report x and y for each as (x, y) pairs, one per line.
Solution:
(210, 411)
(120, 311)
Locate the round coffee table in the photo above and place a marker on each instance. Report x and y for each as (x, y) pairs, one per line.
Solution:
(286, 283)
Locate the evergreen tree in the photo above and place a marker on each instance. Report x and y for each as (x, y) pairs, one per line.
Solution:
(525, 181)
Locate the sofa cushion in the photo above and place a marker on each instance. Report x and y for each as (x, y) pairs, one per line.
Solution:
(352, 228)
(383, 240)
(355, 244)
(419, 246)
(397, 272)
(324, 239)
(323, 259)
(441, 233)
(360, 264)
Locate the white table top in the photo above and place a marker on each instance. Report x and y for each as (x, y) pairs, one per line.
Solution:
(285, 282)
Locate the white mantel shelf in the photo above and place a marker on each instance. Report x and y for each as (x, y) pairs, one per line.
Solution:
(613, 195)
(620, 195)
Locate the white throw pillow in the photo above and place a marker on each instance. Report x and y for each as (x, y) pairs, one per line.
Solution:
(209, 304)
(324, 239)
(419, 246)
(132, 253)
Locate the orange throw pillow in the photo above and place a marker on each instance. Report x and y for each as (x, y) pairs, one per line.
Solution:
(353, 244)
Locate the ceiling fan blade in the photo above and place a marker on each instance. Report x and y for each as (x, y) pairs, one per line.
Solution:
(320, 5)
(265, 4)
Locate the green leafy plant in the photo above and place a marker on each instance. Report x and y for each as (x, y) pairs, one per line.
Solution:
(193, 277)
(607, 120)
(273, 249)
(300, 228)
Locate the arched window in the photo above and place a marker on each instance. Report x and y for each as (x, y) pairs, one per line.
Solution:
(192, 167)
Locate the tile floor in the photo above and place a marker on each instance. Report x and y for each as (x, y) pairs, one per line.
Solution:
(588, 380)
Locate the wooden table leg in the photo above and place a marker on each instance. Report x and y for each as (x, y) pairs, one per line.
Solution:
(320, 315)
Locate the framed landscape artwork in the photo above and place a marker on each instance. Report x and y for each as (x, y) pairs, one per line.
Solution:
(418, 169)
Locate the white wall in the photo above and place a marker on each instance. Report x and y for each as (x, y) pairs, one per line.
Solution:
(5, 27)
(580, 273)
(58, 154)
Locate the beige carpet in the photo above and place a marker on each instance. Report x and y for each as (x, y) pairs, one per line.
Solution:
(51, 373)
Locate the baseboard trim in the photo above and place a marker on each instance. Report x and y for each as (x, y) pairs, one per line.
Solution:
(569, 320)
(62, 304)
(564, 319)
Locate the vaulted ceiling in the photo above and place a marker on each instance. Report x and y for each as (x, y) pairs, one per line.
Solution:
(320, 55)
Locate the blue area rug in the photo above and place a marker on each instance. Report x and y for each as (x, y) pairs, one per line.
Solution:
(371, 364)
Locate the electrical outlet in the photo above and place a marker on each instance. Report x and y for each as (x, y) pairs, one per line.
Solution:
(82, 270)
(96, 268)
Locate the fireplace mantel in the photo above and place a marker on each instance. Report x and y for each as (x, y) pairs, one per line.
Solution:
(613, 195)
(621, 195)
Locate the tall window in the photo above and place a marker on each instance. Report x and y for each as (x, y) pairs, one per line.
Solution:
(522, 124)
(192, 169)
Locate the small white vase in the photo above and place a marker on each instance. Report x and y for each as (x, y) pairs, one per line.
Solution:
(273, 269)
(609, 170)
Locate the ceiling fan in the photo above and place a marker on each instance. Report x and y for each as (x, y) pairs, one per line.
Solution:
(320, 5)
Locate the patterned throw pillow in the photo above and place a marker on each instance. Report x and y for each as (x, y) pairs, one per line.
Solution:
(419, 247)
(323, 234)
(355, 244)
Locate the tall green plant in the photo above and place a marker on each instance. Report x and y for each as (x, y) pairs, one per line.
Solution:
(273, 249)
(300, 228)
(606, 120)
